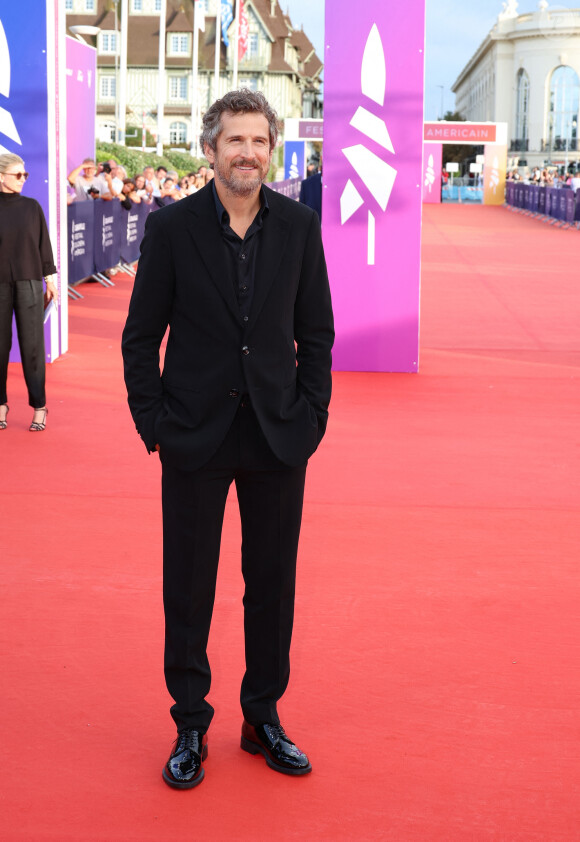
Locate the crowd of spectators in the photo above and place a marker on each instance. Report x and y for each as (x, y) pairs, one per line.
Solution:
(547, 177)
(108, 180)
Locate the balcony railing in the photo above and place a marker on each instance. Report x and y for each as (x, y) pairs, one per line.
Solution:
(520, 145)
(560, 145)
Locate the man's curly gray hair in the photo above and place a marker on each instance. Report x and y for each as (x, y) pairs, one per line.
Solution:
(243, 101)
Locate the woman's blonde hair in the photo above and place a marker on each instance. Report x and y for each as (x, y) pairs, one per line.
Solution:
(8, 160)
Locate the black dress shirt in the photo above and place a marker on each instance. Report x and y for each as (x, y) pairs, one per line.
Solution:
(241, 254)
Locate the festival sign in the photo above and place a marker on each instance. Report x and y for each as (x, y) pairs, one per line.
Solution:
(473, 134)
(294, 159)
(373, 145)
(32, 115)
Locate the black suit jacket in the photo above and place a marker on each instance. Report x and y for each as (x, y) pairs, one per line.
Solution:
(282, 354)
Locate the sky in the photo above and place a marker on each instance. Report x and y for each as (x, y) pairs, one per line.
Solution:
(454, 31)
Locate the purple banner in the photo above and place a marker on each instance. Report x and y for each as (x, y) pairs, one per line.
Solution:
(373, 149)
(81, 77)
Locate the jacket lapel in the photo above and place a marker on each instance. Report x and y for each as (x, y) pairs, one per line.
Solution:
(205, 233)
(272, 247)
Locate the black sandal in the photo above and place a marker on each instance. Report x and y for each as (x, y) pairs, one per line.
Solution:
(38, 426)
(4, 423)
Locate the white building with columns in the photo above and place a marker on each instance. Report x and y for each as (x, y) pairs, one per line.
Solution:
(527, 73)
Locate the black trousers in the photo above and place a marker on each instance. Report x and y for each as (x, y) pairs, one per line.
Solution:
(270, 496)
(26, 300)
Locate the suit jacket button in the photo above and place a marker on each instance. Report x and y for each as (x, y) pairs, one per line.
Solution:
(234, 393)
(245, 350)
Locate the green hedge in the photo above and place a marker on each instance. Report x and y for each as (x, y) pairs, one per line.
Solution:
(134, 160)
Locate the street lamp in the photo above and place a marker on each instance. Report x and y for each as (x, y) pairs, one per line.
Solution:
(442, 89)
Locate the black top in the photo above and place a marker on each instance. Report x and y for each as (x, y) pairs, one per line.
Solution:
(25, 249)
(241, 254)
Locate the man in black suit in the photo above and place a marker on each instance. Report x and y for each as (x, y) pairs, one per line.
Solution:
(237, 273)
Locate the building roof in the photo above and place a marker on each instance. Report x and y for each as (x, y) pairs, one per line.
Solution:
(143, 35)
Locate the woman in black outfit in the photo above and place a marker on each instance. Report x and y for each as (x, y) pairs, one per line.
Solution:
(25, 258)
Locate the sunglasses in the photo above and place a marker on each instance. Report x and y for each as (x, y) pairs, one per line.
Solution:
(18, 175)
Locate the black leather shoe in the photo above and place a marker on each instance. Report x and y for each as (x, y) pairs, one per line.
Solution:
(184, 768)
(280, 752)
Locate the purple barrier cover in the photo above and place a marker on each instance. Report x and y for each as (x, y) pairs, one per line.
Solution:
(542, 201)
(570, 206)
(290, 187)
(81, 231)
(108, 234)
(132, 224)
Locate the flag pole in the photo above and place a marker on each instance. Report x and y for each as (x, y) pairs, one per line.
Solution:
(161, 76)
(236, 47)
(195, 79)
(121, 126)
(218, 40)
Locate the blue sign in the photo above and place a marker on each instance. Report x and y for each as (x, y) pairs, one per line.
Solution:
(294, 159)
(24, 92)
(24, 101)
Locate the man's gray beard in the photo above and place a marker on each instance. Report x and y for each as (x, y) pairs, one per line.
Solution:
(238, 186)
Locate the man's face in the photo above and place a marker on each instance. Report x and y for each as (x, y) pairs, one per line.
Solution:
(148, 173)
(242, 157)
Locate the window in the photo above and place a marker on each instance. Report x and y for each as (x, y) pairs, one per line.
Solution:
(108, 42)
(137, 5)
(564, 101)
(157, 5)
(253, 45)
(178, 44)
(68, 5)
(178, 88)
(177, 133)
(108, 87)
(89, 5)
(522, 105)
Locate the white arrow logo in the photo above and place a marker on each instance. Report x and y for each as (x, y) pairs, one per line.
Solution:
(293, 172)
(7, 126)
(430, 173)
(494, 178)
(377, 176)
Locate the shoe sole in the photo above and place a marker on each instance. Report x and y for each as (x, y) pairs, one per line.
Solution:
(177, 785)
(255, 748)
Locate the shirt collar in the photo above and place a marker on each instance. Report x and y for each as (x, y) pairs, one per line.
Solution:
(220, 210)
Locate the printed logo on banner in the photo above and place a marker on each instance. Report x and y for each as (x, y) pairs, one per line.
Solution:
(107, 233)
(430, 173)
(77, 239)
(132, 227)
(293, 172)
(377, 175)
(494, 178)
(7, 125)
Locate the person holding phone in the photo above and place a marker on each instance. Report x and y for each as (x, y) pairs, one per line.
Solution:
(25, 259)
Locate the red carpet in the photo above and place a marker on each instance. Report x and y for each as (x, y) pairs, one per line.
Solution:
(436, 676)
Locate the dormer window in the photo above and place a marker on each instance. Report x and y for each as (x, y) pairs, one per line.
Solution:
(179, 44)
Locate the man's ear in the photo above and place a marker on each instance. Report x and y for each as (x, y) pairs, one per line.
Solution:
(209, 153)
